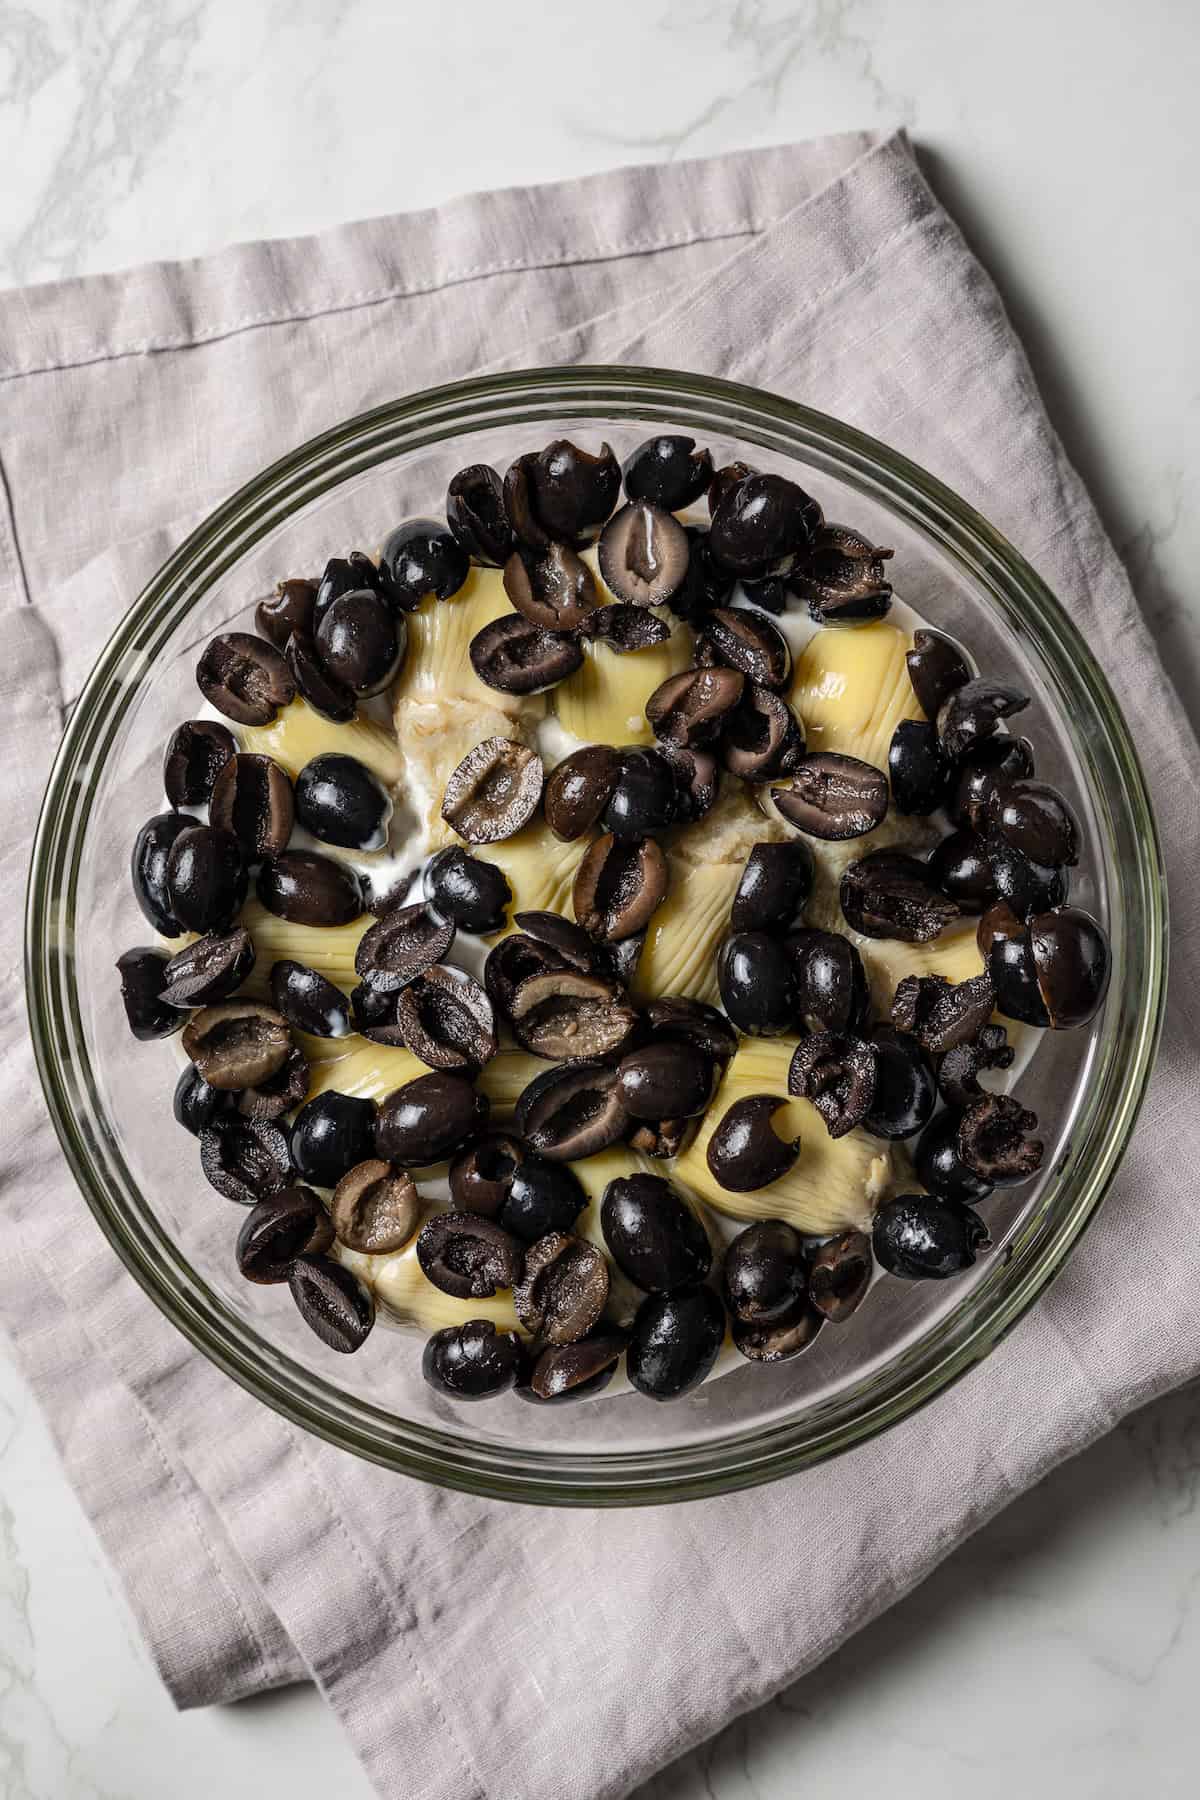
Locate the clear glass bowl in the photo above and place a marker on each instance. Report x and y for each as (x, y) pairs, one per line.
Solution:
(110, 1100)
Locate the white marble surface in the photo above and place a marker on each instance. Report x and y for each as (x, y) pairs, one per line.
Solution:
(1057, 1652)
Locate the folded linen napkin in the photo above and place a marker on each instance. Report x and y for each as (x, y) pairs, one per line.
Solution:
(475, 1651)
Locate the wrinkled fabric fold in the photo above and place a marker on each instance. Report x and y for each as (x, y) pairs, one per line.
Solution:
(473, 1649)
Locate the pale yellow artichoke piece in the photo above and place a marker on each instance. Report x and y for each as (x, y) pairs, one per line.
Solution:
(505, 1078)
(368, 1071)
(329, 949)
(850, 686)
(298, 733)
(834, 1183)
(604, 701)
(887, 961)
(437, 665)
(679, 954)
(402, 1288)
(540, 869)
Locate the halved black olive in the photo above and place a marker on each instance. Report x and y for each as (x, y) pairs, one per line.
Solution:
(724, 480)
(361, 640)
(958, 1071)
(494, 791)
(475, 514)
(667, 471)
(252, 798)
(833, 796)
(468, 1256)
(542, 1196)
(1004, 944)
(828, 980)
(474, 1361)
(341, 802)
(402, 945)
(341, 575)
(143, 975)
(578, 788)
(474, 893)
(644, 555)
(573, 490)
(696, 781)
(987, 765)
(643, 798)
(762, 739)
(566, 1372)
(333, 1303)
(654, 1237)
(245, 1159)
(481, 1176)
(519, 503)
(690, 708)
(842, 577)
(309, 889)
(237, 1043)
(973, 712)
(917, 769)
(206, 878)
(619, 885)
(774, 888)
(197, 751)
(195, 1104)
(429, 1118)
(926, 1240)
(665, 1080)
(571, 941)
(762, 525)
(937, 668)
(674, 1019)
(745, 639)
(148, 869)
(332, 1133)
(281, 1093)
(674, 1342)
(840, 1276)
(962, 868)
(766, 1271)
(1071, 961)
(446, 1019)
(572, 1112)
(837, 1073)
(374, 1014)
(905, 1089)
(244, 677)
(941, 1169)
(552, 587)
(318, 686)
(513, 960)
(625, 628)
(515, 656)
(570, 1016)
(994, 1140)
(1034, 818)
(419, 558)
(563, 1288)
(277, 1230)
(289, 609)
(888, 894)
(210, 969)
(1027, 886)
(769, 595)
(941, 1014)
(745, 1152)
(778, 1340)
(755, 978)
(706, 583)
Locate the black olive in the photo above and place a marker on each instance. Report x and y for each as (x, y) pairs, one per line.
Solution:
(917, 769)
(745, 639)
(552, 588)
(887, 894)
(475, 514)
(571, 1016)
(625, 628)
(1028, 887)
(513, 960)
(566, 1372)
(197, 751)
(837, 1073)
(958, 1071)
(542, 1197)
(244, 1159)
(696, 779)
(361, 640)
(429, 1118)
(252, 798)
(674, 1342)
(245, 678)
(834, 797)
(280, 1093)
(644, 555)
(643, 798)
(706, 584)
(618, 887)
(936, 669)
(482, 1175)
(962, 868)
(941, 1169)
(575, 948)
(766, 1271)
(421, 557)
(578, 788)
(778, 1340)
(828, 979)
(206, 878)
(318, 686)
(474, 1361)
(905, 1089)
(762, 525)
(468, 1256)
(1034, 818)
(774, 888)
(926, 1240)
(665, 1081)
(402, 945)
(840, 1276)
(309, 1001)
(573, 1112)
(573, 490)
(755, 977)
(341, 575)
(724, 480)
(941, 1014)
(762, 738)
(341, 802)
(196, 1104)
(277, 1230)
(211, 968)
(668, 471)
(745, 1152)
(673, 1019)
(333, 1303)
(995, 1140)
(770, 594)
(289, 609)
(563, 1289)
(331, 1134)
(515, 656)
(143, 975)
(148, 869)
(474, 893)
(842, 577)
(446, 1019)
(309, 889)
(987, 765)
(654, 1237)
(974, 710)
(1071, 961)
(690, 709)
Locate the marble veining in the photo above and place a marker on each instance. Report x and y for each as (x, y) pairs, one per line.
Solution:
(1056, 1652)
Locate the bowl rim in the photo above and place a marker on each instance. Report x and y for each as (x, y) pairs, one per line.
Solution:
(742, 1459)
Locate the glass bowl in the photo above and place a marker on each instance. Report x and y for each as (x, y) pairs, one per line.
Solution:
(142, 1180)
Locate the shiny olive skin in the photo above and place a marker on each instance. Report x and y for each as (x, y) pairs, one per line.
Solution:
(987, 766)
(475, 514)
(475, 1361)
(667, 471)
(962, 868)
(341, 802)
(148, 869)
(766, 1271)
(309, 889)
(1071, 959)
(148, 1014)
(923, 1239)
(542, 1197)
(309, 1001)
(462, 887)
(905, 1086)
(941, 1169)
(755, 977)
(196, 1105)
(774, 888)
(206, 878)
(1028, 887)
(331, 1134)
(675, 1341)
(361, 641)
(829, 979)
(429, 1118)
(643, 798)
(196, 753)
(665, 1081)
(654, 1237)
(481, 1175)
(916, 768)
(421, 557)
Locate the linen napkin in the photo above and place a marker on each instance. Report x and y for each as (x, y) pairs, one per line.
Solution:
(475, 1651)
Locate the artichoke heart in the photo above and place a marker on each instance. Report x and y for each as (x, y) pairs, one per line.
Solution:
(402, 1288)
(851, 688)
(299, 732)
(437, 667)
(539, 867)
(679, 955)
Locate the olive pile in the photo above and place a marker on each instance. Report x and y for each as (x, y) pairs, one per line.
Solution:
(335, 1169)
